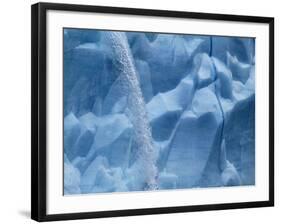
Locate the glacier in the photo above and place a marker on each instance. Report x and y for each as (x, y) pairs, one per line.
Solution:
(152, 111)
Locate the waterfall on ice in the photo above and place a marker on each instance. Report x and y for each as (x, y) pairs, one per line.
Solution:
(145, 166)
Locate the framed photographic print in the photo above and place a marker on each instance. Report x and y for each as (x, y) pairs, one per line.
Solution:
(139, 111)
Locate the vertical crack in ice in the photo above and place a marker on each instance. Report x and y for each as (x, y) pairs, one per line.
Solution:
(168, 147)
(211, 47)
(146, 155)
(222, 114)
(229, 174)
(223, 158)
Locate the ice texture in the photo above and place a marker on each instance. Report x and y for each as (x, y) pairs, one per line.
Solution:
(148, 111)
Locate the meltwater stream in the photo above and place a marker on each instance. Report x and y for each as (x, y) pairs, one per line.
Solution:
(145, 165)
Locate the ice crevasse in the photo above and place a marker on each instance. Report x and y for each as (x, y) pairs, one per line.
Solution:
(147, 111)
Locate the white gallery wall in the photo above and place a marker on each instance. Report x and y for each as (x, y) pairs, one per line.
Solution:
(15, 110)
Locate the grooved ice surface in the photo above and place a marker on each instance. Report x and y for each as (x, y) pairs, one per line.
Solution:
(148, 111)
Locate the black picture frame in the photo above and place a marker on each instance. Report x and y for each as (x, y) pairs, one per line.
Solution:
(39, 121)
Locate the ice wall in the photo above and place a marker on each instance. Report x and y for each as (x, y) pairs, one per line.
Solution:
(150, 111)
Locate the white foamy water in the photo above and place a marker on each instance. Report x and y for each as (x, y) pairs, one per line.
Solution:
(145, 165)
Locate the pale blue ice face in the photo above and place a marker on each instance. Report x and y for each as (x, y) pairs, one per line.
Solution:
(148, 111)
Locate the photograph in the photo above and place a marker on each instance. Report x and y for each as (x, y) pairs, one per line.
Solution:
(150, 111)
(141, 111)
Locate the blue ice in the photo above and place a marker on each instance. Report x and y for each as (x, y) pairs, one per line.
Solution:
(148, 111)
